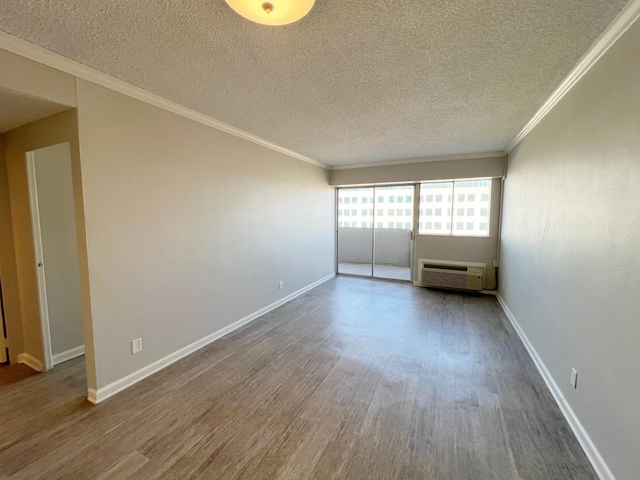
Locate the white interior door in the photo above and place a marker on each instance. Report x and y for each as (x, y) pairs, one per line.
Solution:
(56, 252)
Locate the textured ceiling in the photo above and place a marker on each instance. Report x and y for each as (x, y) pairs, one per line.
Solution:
(355, 81)
(17, 109)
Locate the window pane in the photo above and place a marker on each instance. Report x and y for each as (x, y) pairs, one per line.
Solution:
(431, 196)
(471, 212)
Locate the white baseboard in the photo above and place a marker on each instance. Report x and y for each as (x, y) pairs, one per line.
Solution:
(97, 396)
(31, 361)
(599, 465)
(68, 355)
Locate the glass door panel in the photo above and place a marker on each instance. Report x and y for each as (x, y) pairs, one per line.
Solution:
(355, 231)
(393, 236)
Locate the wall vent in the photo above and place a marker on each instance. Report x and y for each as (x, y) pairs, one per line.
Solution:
(452, 274)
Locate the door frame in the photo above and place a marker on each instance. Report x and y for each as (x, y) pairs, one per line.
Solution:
(39, 260)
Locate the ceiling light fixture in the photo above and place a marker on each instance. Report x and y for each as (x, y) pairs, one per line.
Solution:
(272, 12)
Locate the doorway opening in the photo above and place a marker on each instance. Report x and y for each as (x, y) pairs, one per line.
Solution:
(56, 252)
(375, 231)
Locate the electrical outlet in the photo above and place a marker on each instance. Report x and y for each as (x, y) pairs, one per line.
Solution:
(280, 285)
(136, 346)
(574, 378)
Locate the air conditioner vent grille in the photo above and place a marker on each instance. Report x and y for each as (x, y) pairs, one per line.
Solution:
(452, 274)
(447, 267)
(454, 280)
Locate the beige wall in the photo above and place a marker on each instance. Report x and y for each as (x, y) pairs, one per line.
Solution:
(53, 130)
(421, 172)
(571, 248)
(189, 229)
(466, 249)
(8, 272)
(35, 79)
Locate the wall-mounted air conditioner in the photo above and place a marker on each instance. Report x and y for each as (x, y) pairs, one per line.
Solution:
(452, 274)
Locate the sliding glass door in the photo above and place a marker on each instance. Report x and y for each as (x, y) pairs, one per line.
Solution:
(355, 231)
(375, 231)
(393, 233)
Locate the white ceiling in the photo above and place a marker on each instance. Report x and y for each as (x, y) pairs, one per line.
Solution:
(355, 81)
(17, 109)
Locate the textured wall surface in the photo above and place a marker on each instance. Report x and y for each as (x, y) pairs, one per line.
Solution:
(570, 266)
(355, 81)
(189, 229)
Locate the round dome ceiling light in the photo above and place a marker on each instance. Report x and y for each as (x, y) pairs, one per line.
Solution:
(272, 12)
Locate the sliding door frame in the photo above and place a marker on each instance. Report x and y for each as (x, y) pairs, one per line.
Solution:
(414, 224)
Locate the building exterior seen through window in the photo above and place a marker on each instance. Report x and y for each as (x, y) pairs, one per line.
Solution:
(393, 208)
(459, 208)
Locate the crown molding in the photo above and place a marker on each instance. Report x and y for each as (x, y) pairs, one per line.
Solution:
(408, 161)
(627, 16)
(41, 55)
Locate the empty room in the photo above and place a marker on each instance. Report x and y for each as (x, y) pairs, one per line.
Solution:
(319, 239)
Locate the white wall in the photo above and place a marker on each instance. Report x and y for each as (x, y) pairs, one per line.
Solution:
(54, 187)
(570, 266)
(189, 229)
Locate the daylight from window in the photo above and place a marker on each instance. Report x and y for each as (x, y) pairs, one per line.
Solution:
(392, 209)
(458, 208)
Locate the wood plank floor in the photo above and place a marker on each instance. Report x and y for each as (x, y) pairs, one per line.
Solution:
(356, 379)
